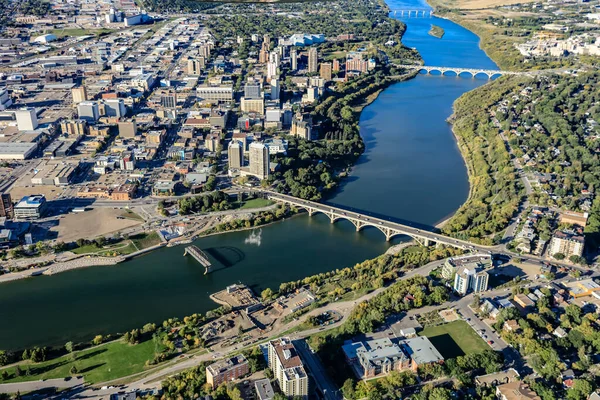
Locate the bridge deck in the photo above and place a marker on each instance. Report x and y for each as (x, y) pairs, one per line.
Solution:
(199, 256)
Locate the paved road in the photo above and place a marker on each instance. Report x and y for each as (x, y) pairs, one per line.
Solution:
(25, 387)
(323, 381)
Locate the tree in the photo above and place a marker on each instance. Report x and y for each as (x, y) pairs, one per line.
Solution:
(266, 294)
(348, 389)
(17, 371)
(69, 347)
(73, 370)
(559, 256)
(476, 303)
(98, 339)
(580, 390)
(4, 357)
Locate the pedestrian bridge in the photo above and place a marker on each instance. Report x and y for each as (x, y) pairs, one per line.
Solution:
(490, 73)
(360, 221)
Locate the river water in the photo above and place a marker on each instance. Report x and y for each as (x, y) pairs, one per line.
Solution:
(411, 171)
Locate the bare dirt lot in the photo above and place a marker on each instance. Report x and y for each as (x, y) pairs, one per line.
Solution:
(91, 224)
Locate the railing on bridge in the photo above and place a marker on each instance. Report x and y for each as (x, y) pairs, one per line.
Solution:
(199, 256)
(490, 73)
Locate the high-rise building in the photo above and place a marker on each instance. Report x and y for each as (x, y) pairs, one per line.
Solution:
(469, 278)
(275, 89)
(293, 59)
(271, 70)
(204, 51)
(313, 57)
(26, 119)
(235, 153)
(336, 65)
(252, 90)
(259, 160)
(195, 66)
(88, 111)
(128, 129)
(79, 94)
(6, 206)
(267, 41)
(115, 108)
(302, 126)
(274, 58)
(326, 70)
(287, 368)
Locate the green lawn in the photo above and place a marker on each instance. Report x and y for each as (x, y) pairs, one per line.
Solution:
(103, 363)
(131, 215)
(145, 240)
(455, 339)
(256, 203)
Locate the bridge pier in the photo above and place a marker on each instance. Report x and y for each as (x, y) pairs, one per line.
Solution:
(311, 211)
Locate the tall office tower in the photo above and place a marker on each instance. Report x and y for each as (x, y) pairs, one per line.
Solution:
(267, 41)
(195, 66)
(275, 89)
(88, 111)
(235, 153)
(294, 59)
(115, 108)
(312, 60)
(274, 58)
(259, 160)
(252, 90)
(271, 70)
(79, 94)
(326, 70)
(6, 206)
(26, 119)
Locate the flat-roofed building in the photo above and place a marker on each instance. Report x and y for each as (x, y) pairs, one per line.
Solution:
(54, 173)
(253, 105)
(73, 127)
(26, 119)
(16, 150)
(6, 206)
(517, 390)
(227, 370)
(421, 351)
(585, 287)
(376, 357)
(288, 368)
(573, 218)
(31, 207)
(218, 93)
(566, 243)
(264, 389)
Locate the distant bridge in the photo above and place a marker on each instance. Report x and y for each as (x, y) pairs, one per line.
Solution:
(199, 256)
(360, 221)
(490, 73)
(410, 12)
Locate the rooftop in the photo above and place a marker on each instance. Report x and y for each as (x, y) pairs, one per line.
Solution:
(421, 350)
(224, 365)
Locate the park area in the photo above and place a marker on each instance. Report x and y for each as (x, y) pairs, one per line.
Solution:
(98, 364)
(454, 339)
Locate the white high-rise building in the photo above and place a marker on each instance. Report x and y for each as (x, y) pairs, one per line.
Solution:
(88, 111)
(287, 368)
(470, 279)
(271, 70)
(26, 119)
(235, 153)
(313, 57)
(259, 160)
(294, 59)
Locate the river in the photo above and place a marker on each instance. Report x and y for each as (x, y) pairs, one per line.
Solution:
(411, 171)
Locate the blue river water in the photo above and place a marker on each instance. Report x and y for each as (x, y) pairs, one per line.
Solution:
(411, 171)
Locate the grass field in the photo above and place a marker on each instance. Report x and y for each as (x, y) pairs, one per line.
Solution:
(123, 247)
(255, 203)
(99, 364)
(145, 240)
(454, 339)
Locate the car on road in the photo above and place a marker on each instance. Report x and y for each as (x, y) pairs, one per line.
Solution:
(490, 342)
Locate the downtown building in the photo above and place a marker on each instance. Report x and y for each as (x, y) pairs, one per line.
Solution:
(470, 279)
(287, 368)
